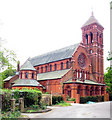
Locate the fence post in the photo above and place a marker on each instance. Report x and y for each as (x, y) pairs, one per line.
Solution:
(51, 97)
(21, 104)
(13, 105)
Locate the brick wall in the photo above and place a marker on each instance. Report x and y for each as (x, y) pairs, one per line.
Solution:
(38, 68)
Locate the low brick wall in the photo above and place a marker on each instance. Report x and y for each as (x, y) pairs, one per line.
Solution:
(70, 101)
(47, 99)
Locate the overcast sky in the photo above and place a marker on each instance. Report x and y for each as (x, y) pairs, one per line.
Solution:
(34, 27)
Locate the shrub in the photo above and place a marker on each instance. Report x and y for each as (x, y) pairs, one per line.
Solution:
(56, 99)
(110, 97)
(6, 97)
(46, 93)
(14, 115)
(31, 97)
(64, 104)
(83, 100)
(71, 99)
(43, 106)
(91, 98)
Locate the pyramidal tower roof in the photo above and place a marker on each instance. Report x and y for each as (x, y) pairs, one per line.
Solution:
(27, 66)
(91, 20)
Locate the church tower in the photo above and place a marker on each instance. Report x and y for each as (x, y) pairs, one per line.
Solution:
(92, 39)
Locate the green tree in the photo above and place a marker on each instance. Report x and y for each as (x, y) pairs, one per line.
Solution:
(108, 79)
(8, 72)
(7, 59)
(108, 75)
(111, 5)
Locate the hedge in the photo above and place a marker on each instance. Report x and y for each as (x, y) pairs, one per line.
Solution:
(91, 98)
(110, 97)
(56, 99)
(31, 97)
(6, 97)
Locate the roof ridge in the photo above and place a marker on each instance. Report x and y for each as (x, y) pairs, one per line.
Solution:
(27, 65)
(53, 51)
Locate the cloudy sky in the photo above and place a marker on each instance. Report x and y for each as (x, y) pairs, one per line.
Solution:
(34, 27)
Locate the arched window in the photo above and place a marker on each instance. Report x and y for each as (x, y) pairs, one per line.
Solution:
(45, 68)
(78, 89)
(90, 51)
(77, 74)
(41, 69)
(55, 67)
(100, 39)
(38, 70)
(80, 74)
(67, 65)
(21, 75)
(91, 91)
(50, 68)
(26, 75)
(97, 36)
(91, 34)
(86, 39)
(32, 75)
(96, 89)
(85, 75)
(86, 90)
(102, 90)
(61, 65)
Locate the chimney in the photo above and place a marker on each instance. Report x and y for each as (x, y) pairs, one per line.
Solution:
(18, 66)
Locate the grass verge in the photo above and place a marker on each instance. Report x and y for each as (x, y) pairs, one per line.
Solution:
(64, 104)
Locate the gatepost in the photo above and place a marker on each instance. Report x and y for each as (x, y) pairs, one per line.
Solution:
(21, 104)
(13, 104)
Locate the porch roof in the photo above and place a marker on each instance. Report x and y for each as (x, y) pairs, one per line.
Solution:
(8, 78)
(26, 82)
(52, 75)
(85, 82)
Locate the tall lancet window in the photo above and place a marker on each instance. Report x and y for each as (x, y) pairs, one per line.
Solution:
(80, 74)
(45, 68)
(50, 68)
(77, 74)
(97, 36)
(21, 75)
(32, 75)
(67, 64)
(55, 67)
(85, 75)
(86, 39)
(91, 34)
(26, 75)
(62, 66)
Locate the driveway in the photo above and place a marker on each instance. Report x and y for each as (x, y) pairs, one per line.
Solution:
(96, 110)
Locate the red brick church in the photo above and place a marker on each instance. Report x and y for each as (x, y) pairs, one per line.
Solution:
(76, 70)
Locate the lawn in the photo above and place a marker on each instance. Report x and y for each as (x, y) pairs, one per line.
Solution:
(63, 104)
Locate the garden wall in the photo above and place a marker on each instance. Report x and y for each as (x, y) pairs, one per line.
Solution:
(47, 99)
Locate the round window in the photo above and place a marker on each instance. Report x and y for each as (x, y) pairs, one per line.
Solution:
(82, 60)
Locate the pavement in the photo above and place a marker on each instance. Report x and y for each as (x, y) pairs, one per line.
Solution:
(95, 110)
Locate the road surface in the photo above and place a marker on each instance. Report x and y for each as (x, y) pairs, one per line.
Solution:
(96, 110)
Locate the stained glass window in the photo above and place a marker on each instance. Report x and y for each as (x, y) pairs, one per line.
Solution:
(82, 60)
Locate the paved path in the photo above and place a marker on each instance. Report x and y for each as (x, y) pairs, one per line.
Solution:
(96, 110)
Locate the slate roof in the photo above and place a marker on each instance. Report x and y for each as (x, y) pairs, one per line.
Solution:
(26, 82)
(54, 55)
(86, 82)
(8, 78)
(52, 75)
(91, 20)
(27, 66)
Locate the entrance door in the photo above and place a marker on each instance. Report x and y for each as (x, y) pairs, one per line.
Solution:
(69, 93)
